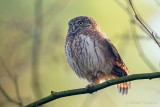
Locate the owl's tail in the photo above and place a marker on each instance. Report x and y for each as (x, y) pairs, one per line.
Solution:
(120, 70)
(123, 87)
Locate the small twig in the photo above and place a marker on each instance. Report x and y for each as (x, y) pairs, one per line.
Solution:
(135, 36)
(140, 50)
(15, 82)
(137, 24)
(8, 97)
(150, 32)
(18, 92)
(56, 95)
(6, 68)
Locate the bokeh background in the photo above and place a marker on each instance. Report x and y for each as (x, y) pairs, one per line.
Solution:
(32, 56)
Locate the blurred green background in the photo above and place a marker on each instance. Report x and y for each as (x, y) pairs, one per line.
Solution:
(32, 56)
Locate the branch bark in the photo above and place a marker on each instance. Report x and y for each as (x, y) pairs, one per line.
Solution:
(56, 95)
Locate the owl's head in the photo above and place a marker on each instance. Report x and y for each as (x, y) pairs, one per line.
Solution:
(80, 23)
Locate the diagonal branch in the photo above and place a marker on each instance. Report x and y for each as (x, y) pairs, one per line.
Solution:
(8, 97)
(18, 92)
(150, 32)
(137, 37)
(137, 24)
(56, 95)
(15, 82)
(139, 48)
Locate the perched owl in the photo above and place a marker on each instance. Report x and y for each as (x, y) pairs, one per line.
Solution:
(92, 55)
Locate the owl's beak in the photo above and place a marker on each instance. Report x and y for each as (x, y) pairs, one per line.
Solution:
(73, 28)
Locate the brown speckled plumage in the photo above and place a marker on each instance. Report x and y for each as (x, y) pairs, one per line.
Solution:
(92, 55)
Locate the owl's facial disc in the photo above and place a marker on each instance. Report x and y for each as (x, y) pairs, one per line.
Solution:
(79, 23)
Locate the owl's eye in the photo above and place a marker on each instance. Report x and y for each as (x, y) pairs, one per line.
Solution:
(80, 23)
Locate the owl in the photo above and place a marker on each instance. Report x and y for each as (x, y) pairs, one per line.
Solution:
(92, 56)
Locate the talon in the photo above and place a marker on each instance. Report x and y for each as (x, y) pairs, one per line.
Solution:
(90, 86)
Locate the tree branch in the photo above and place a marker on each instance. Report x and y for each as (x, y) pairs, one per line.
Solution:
(56, 95)
(15, 82)
(140, 50)
(36, 48)
(150, 32)
(8, 97)
(137, 37)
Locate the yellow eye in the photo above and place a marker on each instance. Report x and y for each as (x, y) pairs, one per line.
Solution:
(80, 23)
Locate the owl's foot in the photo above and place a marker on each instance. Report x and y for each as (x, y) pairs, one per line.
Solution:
(94, 78)
(90, 85)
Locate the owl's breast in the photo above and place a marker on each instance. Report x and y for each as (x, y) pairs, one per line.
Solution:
(85, 54)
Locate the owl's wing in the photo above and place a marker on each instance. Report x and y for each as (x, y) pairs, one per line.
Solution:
(113, 49)
(120, 69)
